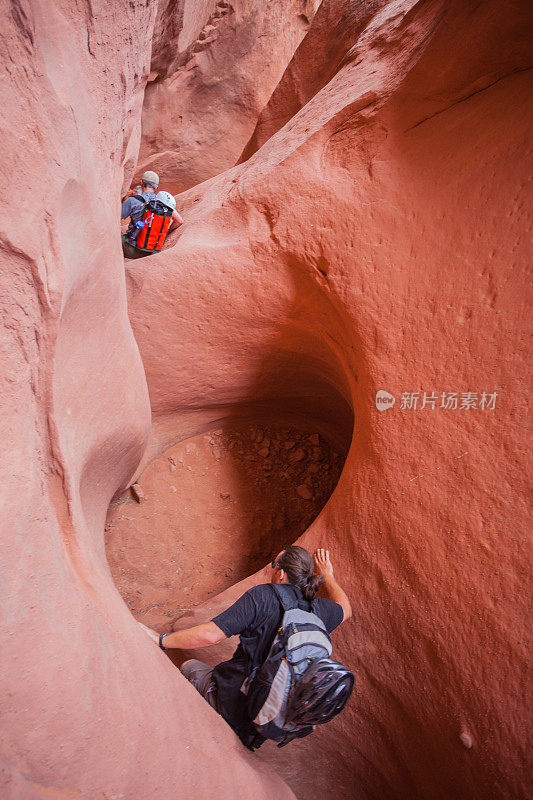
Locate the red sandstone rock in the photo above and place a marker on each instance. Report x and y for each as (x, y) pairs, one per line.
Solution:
(375, 241)
(304, 491)
(82, 686)
(137, 493)
(229, 513)
(210, 80)
(365, 246)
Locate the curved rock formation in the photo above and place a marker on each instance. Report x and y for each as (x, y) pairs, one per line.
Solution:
(214, 67)
(89, 707)
(212, 510)
(373, 240)
(380, 229)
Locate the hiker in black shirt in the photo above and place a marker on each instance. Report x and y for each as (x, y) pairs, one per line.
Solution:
(255, 618)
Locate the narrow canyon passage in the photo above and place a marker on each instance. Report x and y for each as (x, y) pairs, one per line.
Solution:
(216, 508)
(352, 179)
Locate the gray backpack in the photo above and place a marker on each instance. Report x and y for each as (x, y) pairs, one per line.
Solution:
(279, 692)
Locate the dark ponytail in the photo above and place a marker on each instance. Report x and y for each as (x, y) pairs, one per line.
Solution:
(299, 565)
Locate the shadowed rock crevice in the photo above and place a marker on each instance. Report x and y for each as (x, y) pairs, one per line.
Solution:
(217, 506)
(204, 94)
(377, 239)
(216, 509)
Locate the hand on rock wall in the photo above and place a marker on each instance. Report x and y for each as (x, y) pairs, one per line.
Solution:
(323, 564)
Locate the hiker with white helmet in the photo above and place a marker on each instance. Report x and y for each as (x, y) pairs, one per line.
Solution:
(151, 216)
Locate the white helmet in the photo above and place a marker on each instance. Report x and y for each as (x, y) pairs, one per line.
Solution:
(167, 199)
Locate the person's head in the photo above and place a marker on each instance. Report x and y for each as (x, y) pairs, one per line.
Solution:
(149, 181)
(295, 565)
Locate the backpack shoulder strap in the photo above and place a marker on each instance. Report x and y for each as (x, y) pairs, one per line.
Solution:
(285, 602)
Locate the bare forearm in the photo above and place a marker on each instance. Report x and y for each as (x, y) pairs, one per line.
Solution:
(337, 594)
(191, 638)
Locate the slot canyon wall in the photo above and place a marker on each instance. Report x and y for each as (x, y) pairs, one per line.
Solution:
(362, 225)
(89, 707)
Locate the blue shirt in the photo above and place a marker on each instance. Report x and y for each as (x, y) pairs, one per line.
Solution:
(134, 209)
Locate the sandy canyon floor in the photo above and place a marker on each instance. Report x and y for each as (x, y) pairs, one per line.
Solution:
(216, 508)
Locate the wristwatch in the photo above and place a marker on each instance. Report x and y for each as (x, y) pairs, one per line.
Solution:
(161, 635)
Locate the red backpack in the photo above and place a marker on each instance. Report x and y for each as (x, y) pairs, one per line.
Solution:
(156, 222)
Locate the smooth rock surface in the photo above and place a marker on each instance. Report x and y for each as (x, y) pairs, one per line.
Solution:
(375, 237)
(214, 67)
(377, 241)
(82, 686)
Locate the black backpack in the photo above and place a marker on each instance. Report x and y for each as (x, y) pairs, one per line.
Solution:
(298, 686)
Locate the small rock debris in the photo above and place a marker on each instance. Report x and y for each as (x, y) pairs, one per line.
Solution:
(296, 455)
(304, 491)
(285, 476)
(137, 493)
